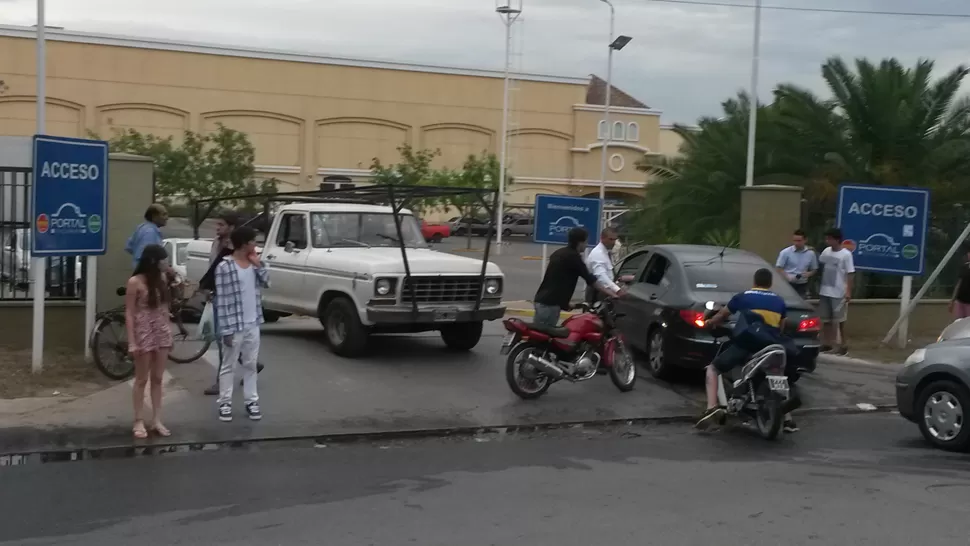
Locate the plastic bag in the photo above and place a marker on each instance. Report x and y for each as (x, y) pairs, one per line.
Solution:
(207, 325)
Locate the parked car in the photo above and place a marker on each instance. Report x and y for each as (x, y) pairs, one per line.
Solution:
(178, 254)
(434, 233)
(933, 388)
(519, 226)
(63, 273)
(663, 311)
(473, 225)
(341, 263)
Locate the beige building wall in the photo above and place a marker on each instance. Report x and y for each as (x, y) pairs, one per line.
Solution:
(310, 116)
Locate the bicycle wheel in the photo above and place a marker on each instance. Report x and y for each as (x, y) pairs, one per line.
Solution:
(187, 344)
(109, 347)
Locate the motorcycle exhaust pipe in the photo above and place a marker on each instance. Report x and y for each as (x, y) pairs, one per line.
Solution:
(545, 366)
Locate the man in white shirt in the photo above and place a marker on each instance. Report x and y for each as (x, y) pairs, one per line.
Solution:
(600, 265)
(835, 292)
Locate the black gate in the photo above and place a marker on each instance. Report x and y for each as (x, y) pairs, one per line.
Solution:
(65, 275)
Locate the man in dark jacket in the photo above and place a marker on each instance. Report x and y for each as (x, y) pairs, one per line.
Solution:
(565, 267)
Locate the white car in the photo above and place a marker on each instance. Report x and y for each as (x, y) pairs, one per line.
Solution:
(342, 263)
(178, 254)
(15, 266)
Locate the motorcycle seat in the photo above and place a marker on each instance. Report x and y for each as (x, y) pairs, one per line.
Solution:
(552, 331)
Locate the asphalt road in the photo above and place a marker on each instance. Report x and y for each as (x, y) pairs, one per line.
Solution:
(860, 480)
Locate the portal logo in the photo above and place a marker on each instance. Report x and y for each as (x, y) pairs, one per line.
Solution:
(43, 223)
(879, 245)
(563, 225)
(69, 220)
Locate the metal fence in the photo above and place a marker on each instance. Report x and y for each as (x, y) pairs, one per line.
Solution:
(946, 225)
(64, 275)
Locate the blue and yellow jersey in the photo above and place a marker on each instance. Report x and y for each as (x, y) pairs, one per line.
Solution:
(764, 303)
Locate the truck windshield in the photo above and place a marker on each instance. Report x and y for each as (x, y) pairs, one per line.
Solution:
(355, 229)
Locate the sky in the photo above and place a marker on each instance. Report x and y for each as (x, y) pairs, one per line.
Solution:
(684, 59)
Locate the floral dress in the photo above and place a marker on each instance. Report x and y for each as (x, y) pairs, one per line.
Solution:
(151, 327)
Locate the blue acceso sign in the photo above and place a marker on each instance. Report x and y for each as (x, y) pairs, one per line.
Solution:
(555, 215)
(885, 227)
(69, 197)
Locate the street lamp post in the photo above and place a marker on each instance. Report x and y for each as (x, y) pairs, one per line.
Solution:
(508, 11)
(39, 264)
(753, 95)
(615, 45)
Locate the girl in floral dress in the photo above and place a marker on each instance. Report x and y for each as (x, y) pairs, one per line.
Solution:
(148, 322)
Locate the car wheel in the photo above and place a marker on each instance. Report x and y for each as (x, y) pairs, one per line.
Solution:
(506, 232)
(941, 410)
(436, 238)
(462, 336)
(345, 334)
(657, 362)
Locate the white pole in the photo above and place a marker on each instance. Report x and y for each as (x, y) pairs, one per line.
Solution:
(903, 304)
(40, 265)
(508, 19)
(90, 301)
(542, 268)
(753, 95)
(929, 282)
(606, 105)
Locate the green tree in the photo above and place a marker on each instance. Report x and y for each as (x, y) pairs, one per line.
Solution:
(216, 165)
(413, 169)
(480, 172)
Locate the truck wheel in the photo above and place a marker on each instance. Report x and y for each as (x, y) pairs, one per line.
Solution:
(270, 316)
(346, 336)
(462, 336)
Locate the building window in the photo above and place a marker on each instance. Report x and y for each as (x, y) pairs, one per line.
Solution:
(633, 132)
(336, 183)
(619, 130)
(601, 131)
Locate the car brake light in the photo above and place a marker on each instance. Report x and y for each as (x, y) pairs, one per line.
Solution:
(695, 318)
(808, 325)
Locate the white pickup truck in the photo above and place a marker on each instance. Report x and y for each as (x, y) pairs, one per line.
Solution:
(342, 264)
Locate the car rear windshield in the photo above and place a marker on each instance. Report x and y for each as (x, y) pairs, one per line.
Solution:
(733, 277)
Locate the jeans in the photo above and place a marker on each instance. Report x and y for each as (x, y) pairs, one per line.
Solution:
(546, 315)
(244, 350)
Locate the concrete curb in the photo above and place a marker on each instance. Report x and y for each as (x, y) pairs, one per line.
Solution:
(850, 361)
(162, 447)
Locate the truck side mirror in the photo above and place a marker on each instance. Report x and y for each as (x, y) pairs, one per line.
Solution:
(289, 246)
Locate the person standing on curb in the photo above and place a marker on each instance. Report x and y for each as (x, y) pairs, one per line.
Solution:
(149, 334)
(797, 263)
(835, 292)
(221, 247)
(147, 233)
(960, 302)
(239, 280)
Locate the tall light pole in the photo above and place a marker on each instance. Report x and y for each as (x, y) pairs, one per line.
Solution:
(39, 264)
(753, 95)
(615, 45)
(508, 11)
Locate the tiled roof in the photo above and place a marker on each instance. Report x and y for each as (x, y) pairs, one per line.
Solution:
(596, 94)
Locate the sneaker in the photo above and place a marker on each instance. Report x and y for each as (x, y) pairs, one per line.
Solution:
(713, 415)
(252, 409)
(225, 412)
(790, 426)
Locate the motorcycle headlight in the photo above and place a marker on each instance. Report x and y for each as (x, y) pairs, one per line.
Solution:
(493, 287)
(383, 287)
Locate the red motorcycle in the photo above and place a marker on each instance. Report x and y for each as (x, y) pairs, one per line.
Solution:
(539, 356)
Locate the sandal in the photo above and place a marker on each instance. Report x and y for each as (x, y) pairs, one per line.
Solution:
(139, 430)
(160, 429)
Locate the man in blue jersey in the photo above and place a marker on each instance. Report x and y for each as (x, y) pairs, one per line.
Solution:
(758, 304)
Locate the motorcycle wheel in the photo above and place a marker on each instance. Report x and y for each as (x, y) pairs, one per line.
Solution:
(623, 370)
(525, 381)
(769, 417)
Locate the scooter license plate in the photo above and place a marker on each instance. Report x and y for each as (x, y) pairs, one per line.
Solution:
(778, 383)
(507, 343)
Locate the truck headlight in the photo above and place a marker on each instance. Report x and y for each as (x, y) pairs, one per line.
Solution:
(493, 287)
(383, 287)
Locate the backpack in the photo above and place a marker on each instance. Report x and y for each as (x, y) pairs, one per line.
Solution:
(208, 281)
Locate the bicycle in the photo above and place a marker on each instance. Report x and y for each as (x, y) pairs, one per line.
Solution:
(116, 362)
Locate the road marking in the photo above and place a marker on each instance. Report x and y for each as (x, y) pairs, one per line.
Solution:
(864, 406)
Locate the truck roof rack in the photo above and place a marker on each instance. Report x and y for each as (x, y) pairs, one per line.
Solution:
(395, 195)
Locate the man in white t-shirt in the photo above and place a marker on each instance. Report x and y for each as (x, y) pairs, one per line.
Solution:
(835, 292)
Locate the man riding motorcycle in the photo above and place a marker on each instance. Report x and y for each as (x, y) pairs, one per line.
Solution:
(763, 321)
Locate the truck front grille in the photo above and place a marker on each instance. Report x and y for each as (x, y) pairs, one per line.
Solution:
(442, 289)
